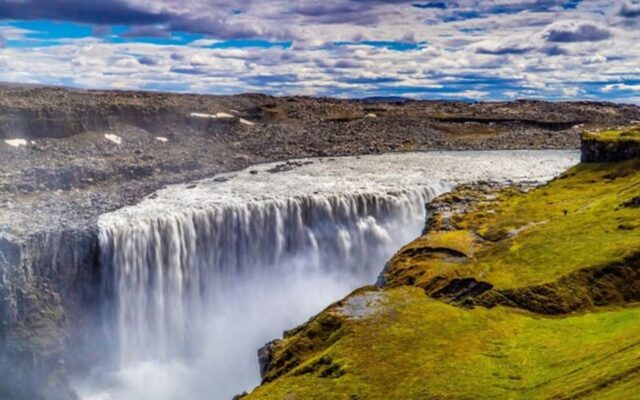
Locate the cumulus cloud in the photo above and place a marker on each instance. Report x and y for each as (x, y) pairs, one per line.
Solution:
(432, 4)
(86, 11)
(502, 49)
(554, 50)
(574, 31)
(571, 91)
(147, 60)
(630, 10)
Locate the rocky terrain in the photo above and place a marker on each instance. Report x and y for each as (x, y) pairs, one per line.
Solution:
(67, 156)
(511, 292)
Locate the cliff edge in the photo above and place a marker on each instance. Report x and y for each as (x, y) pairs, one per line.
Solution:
(611, 145)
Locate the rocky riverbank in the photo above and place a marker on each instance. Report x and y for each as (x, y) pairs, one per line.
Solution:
(68, 156)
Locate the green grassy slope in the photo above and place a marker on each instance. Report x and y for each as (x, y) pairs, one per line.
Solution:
(414, 347)
(553, 238)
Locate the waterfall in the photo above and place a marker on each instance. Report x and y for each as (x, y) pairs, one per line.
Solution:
(166, 272)
(198, 276)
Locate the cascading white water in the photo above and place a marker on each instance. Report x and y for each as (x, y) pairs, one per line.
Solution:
(202, 275)
(168, 272)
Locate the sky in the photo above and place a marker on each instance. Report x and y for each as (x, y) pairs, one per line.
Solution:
(423, 49)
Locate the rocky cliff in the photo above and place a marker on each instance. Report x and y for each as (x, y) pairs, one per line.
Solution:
(611, 144)
(511, 292)
(68, 156)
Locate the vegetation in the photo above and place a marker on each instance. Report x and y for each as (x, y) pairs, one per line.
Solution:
(629, 133)
(418, 348)
(579, 220)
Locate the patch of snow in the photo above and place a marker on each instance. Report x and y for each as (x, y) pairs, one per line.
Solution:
(113, 138)
(16, 142)
(372, 115)
(245, 122)
(224, 115)
(212, 116)
(201, 115)
(162, 139)
(33, 142)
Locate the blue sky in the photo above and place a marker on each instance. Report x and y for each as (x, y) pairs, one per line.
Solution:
(463, 49)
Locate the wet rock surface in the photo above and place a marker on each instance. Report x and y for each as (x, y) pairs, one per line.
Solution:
(84, 153)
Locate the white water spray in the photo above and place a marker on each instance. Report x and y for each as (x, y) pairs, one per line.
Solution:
(202, 275)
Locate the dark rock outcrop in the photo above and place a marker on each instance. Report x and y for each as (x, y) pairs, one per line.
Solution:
(48, 287)
(593, 150)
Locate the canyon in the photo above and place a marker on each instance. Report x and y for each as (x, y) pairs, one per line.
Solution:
(71, 159)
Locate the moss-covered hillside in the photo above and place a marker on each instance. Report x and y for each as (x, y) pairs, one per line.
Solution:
(511, 293)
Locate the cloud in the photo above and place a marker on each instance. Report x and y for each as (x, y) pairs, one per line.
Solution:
(573, 31)
(554, 50)
(490, 49)
(222, 28)
(3, 41)
(85, 11)
(503, 50)
(630, 10)
(147, 60)
(571, 91)
(148, 31)
(432, 4)
(621, 87)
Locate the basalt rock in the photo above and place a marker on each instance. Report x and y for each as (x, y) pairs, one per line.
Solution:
(47, 281)
(600, 151)
(611, 145)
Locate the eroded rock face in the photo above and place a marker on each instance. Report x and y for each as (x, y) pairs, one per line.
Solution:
(602, 151)
(265, 356)
(47, 281)
(613, 144)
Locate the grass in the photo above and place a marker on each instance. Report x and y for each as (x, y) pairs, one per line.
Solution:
(630, 133)
(418, 348)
